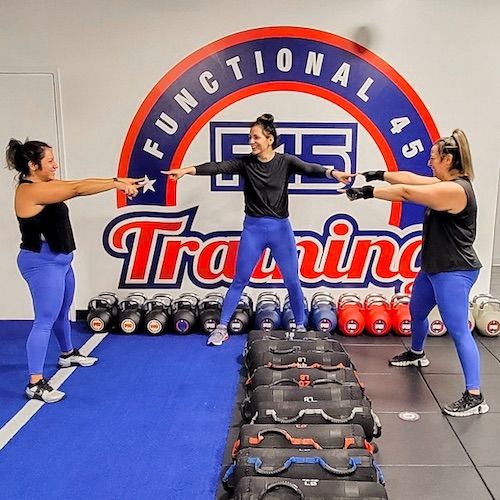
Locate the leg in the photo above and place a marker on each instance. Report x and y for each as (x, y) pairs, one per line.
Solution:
(252, 244)
(284, 250)
(421, 303)
(62, 326)
(46, 280)
(452, 293)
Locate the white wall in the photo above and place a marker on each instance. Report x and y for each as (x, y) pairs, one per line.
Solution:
(111, 54)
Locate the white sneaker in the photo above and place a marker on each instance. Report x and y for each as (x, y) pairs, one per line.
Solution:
(74, 358)
(218, 336)
(43, 392)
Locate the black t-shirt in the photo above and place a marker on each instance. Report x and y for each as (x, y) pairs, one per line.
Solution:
(447, 239)
(53, 223)
(265, 184)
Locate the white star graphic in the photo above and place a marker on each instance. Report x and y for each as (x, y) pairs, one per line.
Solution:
(149, 184)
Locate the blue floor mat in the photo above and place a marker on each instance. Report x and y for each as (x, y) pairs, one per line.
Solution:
(149, 420)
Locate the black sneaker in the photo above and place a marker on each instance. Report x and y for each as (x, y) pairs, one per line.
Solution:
(408, 358)
(469, 404)
(43, 392)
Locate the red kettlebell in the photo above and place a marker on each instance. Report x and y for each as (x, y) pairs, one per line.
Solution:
(377, 319)
(400, 314)
(351, 321)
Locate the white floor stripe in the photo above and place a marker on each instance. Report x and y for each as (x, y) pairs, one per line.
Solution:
(17, 422)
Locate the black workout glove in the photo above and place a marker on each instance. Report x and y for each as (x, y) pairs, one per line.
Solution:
(374, 175)
(358, 193)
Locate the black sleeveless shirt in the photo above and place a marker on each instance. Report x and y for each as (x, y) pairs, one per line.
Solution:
(447, 239)
(53, 224)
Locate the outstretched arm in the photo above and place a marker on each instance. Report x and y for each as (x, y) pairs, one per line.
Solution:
(179, 173)
(442, 196)
(342, 177)
(55, 191)
(399, 177)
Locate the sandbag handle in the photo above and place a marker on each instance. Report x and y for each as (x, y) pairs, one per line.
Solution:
(291, 486)
(257, 463)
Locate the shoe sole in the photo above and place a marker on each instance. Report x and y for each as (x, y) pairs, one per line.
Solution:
(477, 410)
(418, 362)
(217, 343)
(69, 365)
(38, 398)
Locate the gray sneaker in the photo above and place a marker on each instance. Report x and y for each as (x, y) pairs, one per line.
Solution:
(44, 392)
(74, 358)
(218, 336)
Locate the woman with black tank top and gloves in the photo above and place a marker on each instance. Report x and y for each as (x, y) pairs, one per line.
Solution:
(449, 264)
(46, 253)
(266, 175)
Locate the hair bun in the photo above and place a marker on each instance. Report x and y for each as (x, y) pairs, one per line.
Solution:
(266, 117)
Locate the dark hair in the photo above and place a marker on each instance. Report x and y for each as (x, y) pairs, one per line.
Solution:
(457, 146)
(18, 155)
(266, 121)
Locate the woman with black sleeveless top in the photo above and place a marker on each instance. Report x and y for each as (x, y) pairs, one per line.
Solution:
(47, 246)
(449, 264)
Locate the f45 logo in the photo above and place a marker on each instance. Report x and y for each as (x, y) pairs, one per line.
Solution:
(329, 144)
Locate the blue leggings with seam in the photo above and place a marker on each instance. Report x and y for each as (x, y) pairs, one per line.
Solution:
(258, 234)
(450, 291)
(51, 282)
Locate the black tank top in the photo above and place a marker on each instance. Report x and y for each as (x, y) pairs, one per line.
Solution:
(447, 239)
(53, 224)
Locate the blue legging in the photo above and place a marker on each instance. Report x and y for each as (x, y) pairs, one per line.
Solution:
(51, 282)
(258, 234)
(450, 291)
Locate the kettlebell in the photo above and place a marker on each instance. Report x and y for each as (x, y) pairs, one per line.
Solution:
(242, 316)
(323, 312)
(102, 312)
(437, 328)
(268, 312)
(130, 314)
(288, 318)
(477, 301)
(209, 310)
(377, 318)
(351, 320)
(400, 314)
(185, 312)
(488, 317)
(157, 313)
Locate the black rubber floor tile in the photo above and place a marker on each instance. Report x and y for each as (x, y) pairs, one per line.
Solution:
(365, 339)
(449, 387)
(435, 483)
(492, 344)
(480, 437)
(428, 441)
(372, 358)
(403, 389)
(491, 477)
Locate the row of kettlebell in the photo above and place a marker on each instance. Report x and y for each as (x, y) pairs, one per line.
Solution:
(375, 315)
(484, 317)
(187, 312)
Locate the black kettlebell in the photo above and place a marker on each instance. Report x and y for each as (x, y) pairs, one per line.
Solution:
(130, 315)
(243, 315)
(209, 310)
(157, 313)
(185, 312)
(102, 312)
